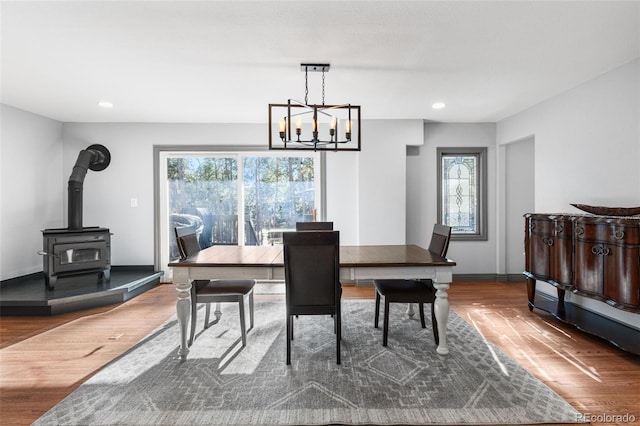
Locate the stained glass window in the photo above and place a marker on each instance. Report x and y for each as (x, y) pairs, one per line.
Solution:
(462, 191)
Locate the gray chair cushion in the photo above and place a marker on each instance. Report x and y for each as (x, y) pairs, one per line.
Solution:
(214, 287)
(406, 291)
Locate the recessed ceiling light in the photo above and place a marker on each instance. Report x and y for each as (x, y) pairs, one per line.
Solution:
(105, 104)
(438, 105)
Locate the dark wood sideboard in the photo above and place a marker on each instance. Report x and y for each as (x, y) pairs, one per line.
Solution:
(594, 256)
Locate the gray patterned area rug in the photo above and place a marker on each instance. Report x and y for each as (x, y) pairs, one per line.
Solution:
(221, 383)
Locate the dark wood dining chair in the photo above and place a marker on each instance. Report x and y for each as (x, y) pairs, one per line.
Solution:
(312, 279)
(214, 291)
(418, 291)
(314, 226)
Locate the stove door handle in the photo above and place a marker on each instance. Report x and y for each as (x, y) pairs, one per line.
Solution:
(44, 253)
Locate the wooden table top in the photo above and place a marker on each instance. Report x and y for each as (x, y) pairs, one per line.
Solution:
(350, 256)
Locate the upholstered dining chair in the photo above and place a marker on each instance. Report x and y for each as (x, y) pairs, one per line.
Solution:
(214, 291)
(314, 226)
(312, 279)
(418, 291)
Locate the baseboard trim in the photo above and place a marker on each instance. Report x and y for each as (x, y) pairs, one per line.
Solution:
(461, 278)
(489, 277)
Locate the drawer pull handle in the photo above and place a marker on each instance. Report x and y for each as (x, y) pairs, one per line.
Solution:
(559, 228)
(548, 241)
(579, 230)
(618, 235)
(599, 250)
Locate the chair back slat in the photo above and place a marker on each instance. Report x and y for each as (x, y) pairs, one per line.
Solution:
(314, 226)
(312, 279)
(187, 240)
(181, 231)
(312, 270)
(440, 238)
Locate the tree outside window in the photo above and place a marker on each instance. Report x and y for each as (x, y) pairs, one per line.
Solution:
(218, 193)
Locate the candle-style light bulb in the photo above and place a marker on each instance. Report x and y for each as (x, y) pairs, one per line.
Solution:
(314, 123)
(347, 129)
(333, 126)
(298, 127)
(282, 127)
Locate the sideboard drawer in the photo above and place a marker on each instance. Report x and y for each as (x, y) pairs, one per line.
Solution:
(607, 232)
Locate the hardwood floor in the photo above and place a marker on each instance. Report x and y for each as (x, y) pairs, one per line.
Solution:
(43, 359)
(594, 376)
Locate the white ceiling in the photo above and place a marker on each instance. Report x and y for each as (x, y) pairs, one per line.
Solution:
(224, 61)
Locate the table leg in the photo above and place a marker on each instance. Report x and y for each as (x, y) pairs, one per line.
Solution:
(218, 312)
(183, 310)
(441, 309)
(410, 311)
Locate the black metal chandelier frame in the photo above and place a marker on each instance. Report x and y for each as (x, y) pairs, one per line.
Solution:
(296, 110)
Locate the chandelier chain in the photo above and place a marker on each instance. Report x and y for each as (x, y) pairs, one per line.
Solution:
(322, 87)
(306, 86)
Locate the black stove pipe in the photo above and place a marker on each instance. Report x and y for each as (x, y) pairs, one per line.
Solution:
(95, 157)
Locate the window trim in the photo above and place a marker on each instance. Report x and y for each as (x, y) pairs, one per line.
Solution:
(481, 154)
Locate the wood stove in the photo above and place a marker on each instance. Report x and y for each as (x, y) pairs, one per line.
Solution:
(78, 249)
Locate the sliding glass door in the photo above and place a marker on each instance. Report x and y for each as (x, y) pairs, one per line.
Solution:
(234, 198)
(277, 193)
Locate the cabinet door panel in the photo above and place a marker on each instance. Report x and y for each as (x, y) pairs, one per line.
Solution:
(562, 252)
(549, 248)
(589, 268)
(562, 261)
(539, 258)
(622, 267)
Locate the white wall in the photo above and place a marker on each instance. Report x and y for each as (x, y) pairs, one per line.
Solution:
(365, 190)
(108, 194)
(342, 175)
(519, 194)
(363, 195)
(31, 188)
(382, 180)
(587, 150)
(587, 143)
(472, 257)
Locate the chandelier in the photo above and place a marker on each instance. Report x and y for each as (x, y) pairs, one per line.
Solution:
(303, 126)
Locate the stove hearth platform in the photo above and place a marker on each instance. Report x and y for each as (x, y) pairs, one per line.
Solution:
(29, 296)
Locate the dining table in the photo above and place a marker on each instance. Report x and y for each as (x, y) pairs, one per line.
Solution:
(359, 263)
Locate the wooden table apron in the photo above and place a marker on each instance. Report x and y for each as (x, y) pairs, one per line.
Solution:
(356, 263)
